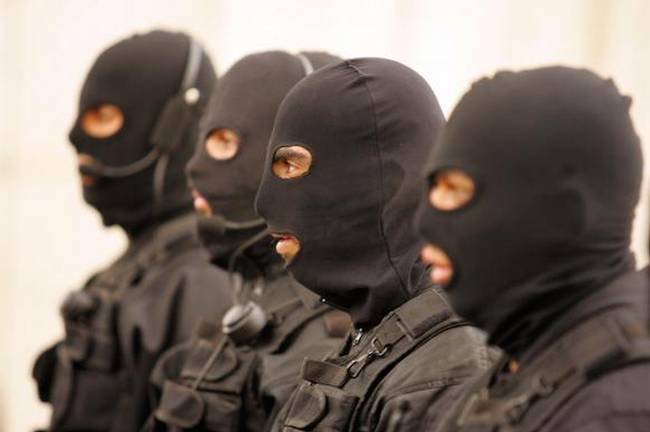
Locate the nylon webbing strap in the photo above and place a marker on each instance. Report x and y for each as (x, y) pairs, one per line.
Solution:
(324, 373)
(389, 333)
(413, 319)
(417, 317)
(292, 323)
(409, 322)
(611, 339)
(591, 347)
(294, 314)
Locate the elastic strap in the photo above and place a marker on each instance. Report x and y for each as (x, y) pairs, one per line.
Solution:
(307, 66)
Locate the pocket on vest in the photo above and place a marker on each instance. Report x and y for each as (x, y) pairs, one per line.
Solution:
(321, 408)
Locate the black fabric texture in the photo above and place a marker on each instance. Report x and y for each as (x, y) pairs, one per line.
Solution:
(557, 168)
(245, 100)
(368, 124)
(139, 75)
(146, 301)
(611, 398)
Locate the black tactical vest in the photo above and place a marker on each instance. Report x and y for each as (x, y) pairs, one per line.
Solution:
(211, 384)
(82, 376)
(526, 401)
(337, 392)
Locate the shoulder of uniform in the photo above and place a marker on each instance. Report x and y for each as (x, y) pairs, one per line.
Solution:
(449, 359)
(619, 394)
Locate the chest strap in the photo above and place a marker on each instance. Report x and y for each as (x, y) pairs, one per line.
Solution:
(398, 334)
(292, 316)
(214, 356)
(613, 339)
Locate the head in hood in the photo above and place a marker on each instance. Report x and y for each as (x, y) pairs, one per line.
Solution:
(227, 165)
(341, 182)
(532, 191)
(136, 127)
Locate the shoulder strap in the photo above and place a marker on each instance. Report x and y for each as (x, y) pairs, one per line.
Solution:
(294, 315)
(400, 333)
(608, 341)
(612, 341)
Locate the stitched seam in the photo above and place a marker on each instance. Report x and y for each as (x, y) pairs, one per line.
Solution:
(381, 181)
(480, 351)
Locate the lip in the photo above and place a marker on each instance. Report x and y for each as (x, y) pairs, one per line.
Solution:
(84, 160)
(88, 180)
(283, 236)
(287, 245)
(441, 267)
(201, 204)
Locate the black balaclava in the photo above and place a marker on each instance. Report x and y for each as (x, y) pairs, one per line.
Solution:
(142, 75)
(245, 100)
(368, 124)
(557, 168)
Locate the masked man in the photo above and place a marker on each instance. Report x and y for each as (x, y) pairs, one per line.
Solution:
(533, 187)
(340, 185)
(138, 115)
(236, 376)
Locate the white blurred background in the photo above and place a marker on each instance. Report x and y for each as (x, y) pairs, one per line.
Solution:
(51, 241)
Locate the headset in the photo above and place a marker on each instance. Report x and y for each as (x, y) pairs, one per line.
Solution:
(170, 126)
(244, 322)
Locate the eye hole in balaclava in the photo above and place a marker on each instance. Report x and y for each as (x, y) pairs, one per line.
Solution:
(222, 144)
(291, 162)
(103, 121)
(451, 189)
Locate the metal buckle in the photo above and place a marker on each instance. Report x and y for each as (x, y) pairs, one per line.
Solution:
(351, 369)
(378, 349)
